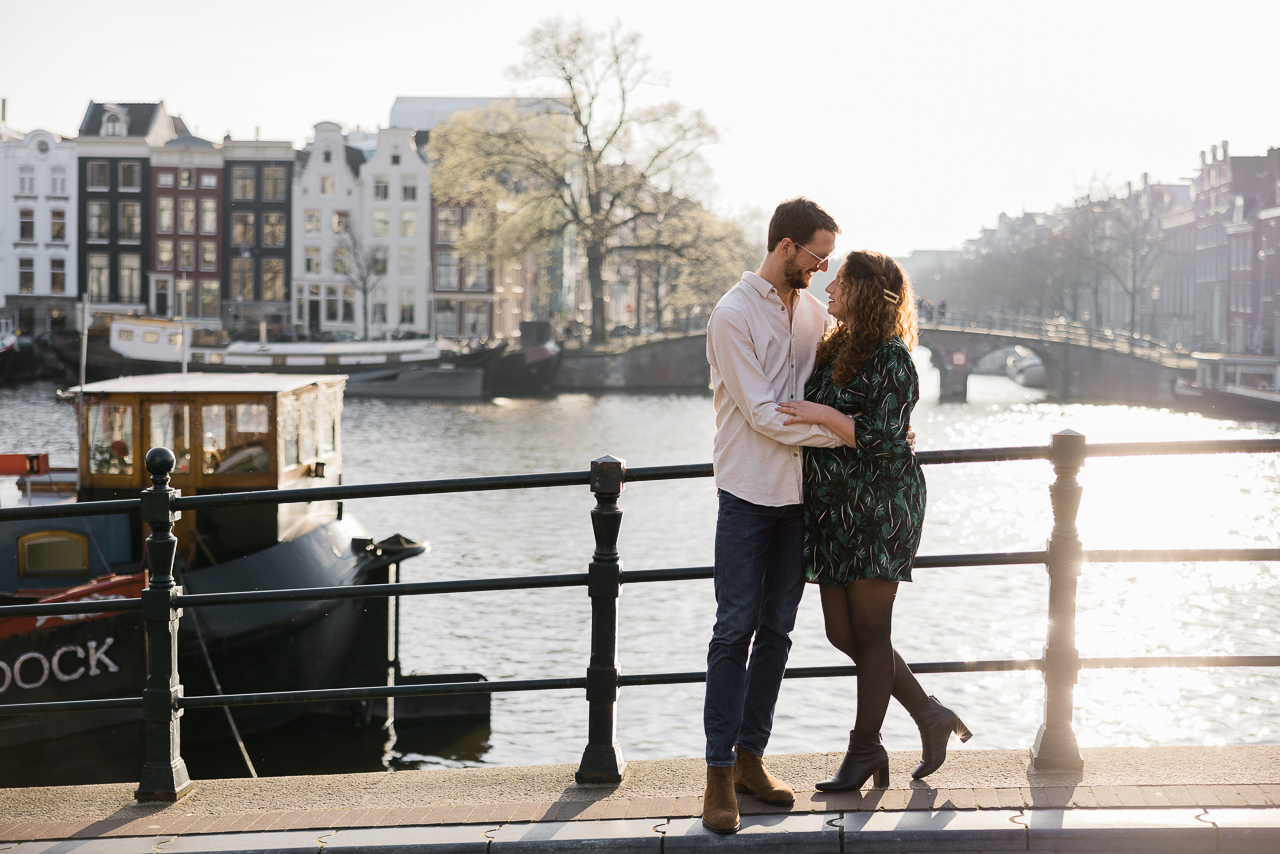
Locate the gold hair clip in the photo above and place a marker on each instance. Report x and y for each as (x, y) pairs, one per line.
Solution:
(891, 296)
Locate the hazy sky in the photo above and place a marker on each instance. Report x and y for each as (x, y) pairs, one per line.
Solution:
(913, 123)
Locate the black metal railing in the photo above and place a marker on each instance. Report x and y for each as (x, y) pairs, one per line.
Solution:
(164, 775)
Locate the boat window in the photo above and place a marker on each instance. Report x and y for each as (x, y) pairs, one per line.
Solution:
(170, 429)
(110, 439)
(289, 430)
(235, 438)
(53, 553)
(310, 448)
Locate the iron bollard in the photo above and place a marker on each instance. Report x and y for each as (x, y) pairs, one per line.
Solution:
(1055, 745)
(602, 760)
(164, 774)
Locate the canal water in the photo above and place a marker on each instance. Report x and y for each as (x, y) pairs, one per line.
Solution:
(946, 614)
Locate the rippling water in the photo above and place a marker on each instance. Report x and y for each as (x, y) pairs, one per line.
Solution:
(947, 614)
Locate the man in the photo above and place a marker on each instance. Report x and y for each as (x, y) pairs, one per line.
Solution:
(761, 341)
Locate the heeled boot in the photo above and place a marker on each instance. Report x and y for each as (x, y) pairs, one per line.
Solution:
(750, 777)
(866, 756)
(936, 723)
(719, 803)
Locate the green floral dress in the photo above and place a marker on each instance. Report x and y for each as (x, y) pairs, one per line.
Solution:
(864, 506)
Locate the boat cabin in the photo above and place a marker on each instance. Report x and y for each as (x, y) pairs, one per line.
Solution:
(230, 433)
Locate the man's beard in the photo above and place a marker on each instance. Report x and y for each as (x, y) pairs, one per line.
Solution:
(793, 275)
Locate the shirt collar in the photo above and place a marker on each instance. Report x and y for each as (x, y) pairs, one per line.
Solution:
(759, 284)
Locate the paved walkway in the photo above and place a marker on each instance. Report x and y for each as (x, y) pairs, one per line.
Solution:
(1167, 798)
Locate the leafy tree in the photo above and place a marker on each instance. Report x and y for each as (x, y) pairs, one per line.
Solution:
(581, 161)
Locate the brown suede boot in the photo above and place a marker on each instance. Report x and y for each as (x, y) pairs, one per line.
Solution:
(719, 803)
(750, 777)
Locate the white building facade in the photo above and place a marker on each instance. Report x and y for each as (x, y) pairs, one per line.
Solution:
(327, 201)
(38, 187)
(395, 227)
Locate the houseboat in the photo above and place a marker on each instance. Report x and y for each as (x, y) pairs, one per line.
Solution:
(229, 433)
(1233, 386)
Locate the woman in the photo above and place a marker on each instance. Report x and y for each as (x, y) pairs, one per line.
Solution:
(864, 505)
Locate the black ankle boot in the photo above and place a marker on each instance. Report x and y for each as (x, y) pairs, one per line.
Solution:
(866, 756)
(936, 723)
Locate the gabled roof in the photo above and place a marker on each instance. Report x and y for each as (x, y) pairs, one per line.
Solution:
(194, 382)
(355, 159)
(188, 141)
(141, 118)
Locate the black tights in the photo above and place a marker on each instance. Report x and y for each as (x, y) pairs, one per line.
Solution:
(859, 621)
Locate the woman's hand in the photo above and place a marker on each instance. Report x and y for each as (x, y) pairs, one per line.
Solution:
(808, 412)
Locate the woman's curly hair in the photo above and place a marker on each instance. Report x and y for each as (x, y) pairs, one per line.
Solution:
(880, 305)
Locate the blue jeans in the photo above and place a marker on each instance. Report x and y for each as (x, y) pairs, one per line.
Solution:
(759, 582)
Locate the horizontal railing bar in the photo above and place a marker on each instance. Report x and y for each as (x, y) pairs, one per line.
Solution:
(96, 606)
(1178, 555)
(320, 695)
(983, 455)
(374, 591)
(1207, 446)
(692, 573)
(992, 559)
(668, 472)
(71, 706)
(71, 509)
(1182, 661)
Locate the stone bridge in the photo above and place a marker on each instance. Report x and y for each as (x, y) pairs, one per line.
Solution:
(1079, 364)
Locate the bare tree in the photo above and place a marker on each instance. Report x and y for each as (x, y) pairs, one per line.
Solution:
(365, 268)
(581, 161)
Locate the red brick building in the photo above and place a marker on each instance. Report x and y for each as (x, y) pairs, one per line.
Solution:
(186, 234)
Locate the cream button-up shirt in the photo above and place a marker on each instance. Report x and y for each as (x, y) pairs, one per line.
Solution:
(761, 357)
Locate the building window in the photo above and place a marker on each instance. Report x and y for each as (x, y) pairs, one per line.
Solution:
(208, 216)
(26, 224)
(380, 260)
(187, 255)
(26, 181)
(380, 190)
(242, 229)
(164, 214)
(160, 287)
(99, 277)
(130, 220)
(164, 179)
(448, 225)
(164, 254)
(185, 298)
(477, 271)
(475, 320)
(341, 222)
(187, 216)
(242, 279)
(313, 221)
(208, 255)
(273, 279)
(408, 190)
(273, 229)
(130, 175)
(112, 126)
(328, 156)
(26, 275)
(406, 305)
(408, 260)
(408, 223)
(242, 188)
(395, 160)
(348, 305)
(446, 271)
(273, 183)
(58, 182)
(209, 181)
(326, 183)
(58, 225)
(57, 275)
(447, 318)
(99, 221)
(341, 261)
(381, 223)
(313, 259)
(99, 175)
(209, 292)
(378, 306)
(130, 278)
(331, 304)
(186, 178)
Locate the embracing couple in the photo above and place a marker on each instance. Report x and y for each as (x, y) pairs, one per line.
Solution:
(818, 481)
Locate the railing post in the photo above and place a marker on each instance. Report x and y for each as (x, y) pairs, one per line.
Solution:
(602, 760)
(1055, 745)
(164, 774)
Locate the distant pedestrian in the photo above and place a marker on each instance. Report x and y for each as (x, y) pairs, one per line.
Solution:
(942, 309)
